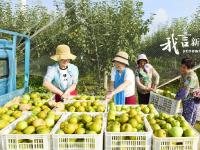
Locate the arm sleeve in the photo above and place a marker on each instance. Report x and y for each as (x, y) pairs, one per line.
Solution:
(189, 85)
(75, 75)
(113, 75)
(50, 74)
(185, 88)
(138, 83)
(130, 76)
(156, 76)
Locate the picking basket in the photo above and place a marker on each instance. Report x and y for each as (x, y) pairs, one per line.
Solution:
(76, 141)
(24, 141)
(3, 130)
(100, 102)
(164, 104)
(176, 143)
(120, 141)
(130, 106)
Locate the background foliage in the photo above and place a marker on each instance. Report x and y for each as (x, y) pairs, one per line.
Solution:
(95, 31)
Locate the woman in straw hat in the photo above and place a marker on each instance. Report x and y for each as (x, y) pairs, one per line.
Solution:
(147, 79)
(62, 77)
(122, 85)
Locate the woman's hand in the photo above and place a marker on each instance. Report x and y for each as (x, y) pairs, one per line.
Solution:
(60, 93)
(52, 88)
(154, 87)
(109, 95)
(149, 89)
(66, 95)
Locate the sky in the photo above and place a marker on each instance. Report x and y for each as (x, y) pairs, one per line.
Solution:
(165, 10)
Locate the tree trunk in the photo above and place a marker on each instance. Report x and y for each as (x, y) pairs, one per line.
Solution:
(105, 80)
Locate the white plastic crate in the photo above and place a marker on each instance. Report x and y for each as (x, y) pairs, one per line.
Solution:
(132, 106)
(198, 113)
(85, 141)
(71, 98)
(99, 101)
(118, 141)
(164, 104)
(199, 142)
(33, 141)
(176, 143)
(72, 101)
(3, 130)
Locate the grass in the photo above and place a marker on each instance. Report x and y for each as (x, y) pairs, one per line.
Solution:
(87, 85)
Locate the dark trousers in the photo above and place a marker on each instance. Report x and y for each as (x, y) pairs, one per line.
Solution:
(143, 98)
(190, 110)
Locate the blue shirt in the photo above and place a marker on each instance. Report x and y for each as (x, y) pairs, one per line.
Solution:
(54, 75)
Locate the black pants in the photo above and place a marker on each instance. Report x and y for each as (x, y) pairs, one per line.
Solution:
(143, 98)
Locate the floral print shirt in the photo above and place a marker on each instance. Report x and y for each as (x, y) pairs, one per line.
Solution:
(189, 82)
(146, 77)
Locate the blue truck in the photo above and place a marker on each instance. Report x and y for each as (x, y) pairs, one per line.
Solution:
(8, 65)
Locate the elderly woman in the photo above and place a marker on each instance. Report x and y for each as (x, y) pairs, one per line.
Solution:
(189, 83)
(122, 85)
(147, 79)
(62, 77)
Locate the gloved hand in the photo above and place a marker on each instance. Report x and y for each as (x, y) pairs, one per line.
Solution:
(196, 95)
(180, 95)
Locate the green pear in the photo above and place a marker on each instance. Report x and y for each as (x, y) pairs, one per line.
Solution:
(126, 127)
(124, 118)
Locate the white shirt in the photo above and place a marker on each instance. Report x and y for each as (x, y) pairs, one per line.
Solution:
(129, 75)
(62, 79)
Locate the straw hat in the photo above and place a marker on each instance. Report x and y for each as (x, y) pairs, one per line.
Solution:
(122, 57)
(142, 56)
(63, 52)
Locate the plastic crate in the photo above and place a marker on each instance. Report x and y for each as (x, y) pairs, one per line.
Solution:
(176, 143)
(85, 141)
(132, 106)
(73, 101)
(3, 130)
(199, 142)
(118, 141)
(71, 98)
(164, 104)
(34, 141)
(99, 101)
(198, 113)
